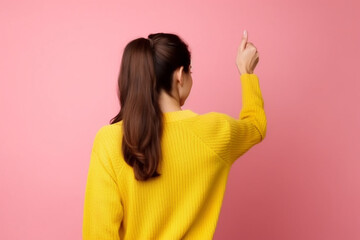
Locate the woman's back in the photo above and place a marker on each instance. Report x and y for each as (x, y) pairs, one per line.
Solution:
(184, 202)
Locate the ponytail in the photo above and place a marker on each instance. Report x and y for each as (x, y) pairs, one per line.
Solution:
(142, 75)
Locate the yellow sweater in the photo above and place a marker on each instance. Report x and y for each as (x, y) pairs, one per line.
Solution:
(185, 201)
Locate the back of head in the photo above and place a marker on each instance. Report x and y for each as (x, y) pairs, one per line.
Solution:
(147, 67)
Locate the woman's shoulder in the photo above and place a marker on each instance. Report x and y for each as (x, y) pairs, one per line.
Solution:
(109, 128)
(210, 117)
(209, 123)
(108, 134)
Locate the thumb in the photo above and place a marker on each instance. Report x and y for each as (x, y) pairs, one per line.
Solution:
(243, 41)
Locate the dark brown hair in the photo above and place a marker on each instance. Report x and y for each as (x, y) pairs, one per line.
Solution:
(147, 66)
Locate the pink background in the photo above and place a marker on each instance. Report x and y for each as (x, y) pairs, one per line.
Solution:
(59, 64)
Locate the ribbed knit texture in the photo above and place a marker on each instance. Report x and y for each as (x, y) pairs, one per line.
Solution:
(185, 201)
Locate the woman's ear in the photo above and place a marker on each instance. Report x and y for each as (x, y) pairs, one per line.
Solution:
(180, 75)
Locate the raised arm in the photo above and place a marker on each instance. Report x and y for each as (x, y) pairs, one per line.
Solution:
(250, 128)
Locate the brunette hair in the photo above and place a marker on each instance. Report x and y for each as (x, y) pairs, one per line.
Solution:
(147, 66)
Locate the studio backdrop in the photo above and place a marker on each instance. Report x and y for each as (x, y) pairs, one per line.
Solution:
(58, 73)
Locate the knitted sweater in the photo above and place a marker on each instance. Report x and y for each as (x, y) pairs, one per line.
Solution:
(185, 201)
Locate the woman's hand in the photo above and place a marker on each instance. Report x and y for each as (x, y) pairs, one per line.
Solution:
(247, 56)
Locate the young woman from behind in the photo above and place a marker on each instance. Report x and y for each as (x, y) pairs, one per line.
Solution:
(157, 171)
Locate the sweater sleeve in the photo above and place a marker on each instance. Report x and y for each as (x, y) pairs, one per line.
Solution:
(250, 128)
(103, 211)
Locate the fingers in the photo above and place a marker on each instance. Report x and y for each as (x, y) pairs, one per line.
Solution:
(243, 41)
(250, 45)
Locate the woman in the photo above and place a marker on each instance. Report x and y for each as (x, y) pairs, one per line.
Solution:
(157, 171)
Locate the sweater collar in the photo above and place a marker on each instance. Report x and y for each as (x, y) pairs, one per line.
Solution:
(178, 115)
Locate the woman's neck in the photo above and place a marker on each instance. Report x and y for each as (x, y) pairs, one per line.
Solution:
(168, 103)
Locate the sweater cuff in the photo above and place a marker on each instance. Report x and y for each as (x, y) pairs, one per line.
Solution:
(248, 76)
(251, 93)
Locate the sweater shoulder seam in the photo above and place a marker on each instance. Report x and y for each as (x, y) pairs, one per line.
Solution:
(115, 174)
(202, 140)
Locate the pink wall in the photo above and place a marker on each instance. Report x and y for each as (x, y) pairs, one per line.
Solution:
(59, 63)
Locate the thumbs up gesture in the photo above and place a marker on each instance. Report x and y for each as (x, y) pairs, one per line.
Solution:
(247, 56)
